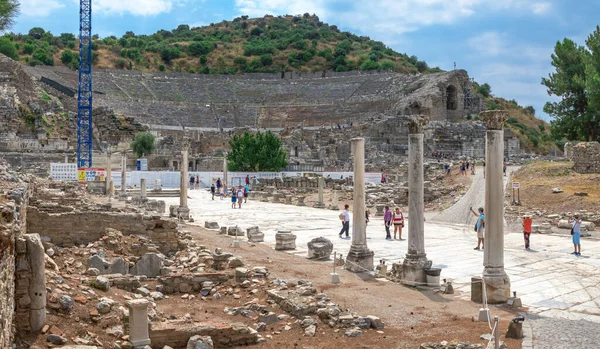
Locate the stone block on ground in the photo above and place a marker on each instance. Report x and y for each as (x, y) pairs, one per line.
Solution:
(255, 235)
(319, 248)
(116, 266)
(150, 265)
(211, 225)
(200, 342)
(285, 240)
(235, 231)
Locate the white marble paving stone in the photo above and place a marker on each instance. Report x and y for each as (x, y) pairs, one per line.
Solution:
(550, 281)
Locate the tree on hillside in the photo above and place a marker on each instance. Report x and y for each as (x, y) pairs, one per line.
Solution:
(568, 82)
(143, 144)
(8, 11)
(485, 90)
(256, 152)
(592, 85)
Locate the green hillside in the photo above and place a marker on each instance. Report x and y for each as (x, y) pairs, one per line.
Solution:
(268, 44)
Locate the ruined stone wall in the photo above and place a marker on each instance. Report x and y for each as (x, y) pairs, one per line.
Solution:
(75, 228)
(12, 226)
(586, 157)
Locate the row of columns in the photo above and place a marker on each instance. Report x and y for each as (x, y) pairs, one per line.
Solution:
(360, 258)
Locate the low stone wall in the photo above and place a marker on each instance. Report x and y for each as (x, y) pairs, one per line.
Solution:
(75, 228)
(586, 157)
(177, 334)
(185, 283)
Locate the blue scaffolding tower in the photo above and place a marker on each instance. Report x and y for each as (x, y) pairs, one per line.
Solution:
(84, 90)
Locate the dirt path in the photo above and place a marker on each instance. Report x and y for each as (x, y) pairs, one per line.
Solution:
(459, 213)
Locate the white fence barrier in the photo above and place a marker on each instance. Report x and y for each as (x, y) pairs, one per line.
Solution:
(170, 179)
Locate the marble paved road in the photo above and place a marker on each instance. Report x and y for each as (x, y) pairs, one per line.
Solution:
(549, 280)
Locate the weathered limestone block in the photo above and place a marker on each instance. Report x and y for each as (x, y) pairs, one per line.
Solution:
(255, 235)
(173, 210)
(285, 240)
(545, 228)
(150, 265)
(211, 225)
(564, 224)
(117, 266)
(235, 231)
(221, 260)
(200, 342)
(223, 231)
(319, 248)
(301, 201)
(138, 322)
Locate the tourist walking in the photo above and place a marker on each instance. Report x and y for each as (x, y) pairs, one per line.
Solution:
(345, 218)
(197, 182)
(479, 227)
(246, 192)
(504, 167)
(240, 196)
(212, 190)
(527, 222)
(222, 193)
(367, 214)
(233, 198)
(387, 221)
(219, 185)
(463, 169)
(576, 233)
(483, 169)
(473, 168)
(398, 219)
(247, 180)
(192, 181)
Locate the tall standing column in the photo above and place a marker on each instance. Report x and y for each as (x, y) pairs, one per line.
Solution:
(225, 171)
(108, 172)
(123, 193)
(496, 279)
(183, 210)
(415, 262)
(360, 258)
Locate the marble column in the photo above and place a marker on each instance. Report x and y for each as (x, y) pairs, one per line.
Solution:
(360, 258)
(225, 182)
(496, 279)
(138, 322)
(108, 172)
(143, 189)
(183, 210)
(123, 193)
(321, 183)
(415, 262)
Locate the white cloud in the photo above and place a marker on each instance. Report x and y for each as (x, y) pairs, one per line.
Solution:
(39, 8)
(134, 7)
(488, 44)
(541, 8)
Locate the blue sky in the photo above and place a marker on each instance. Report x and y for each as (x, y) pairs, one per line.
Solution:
(506, 43)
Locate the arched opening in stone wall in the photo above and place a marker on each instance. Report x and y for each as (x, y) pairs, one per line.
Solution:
(451, 98)
(296, 151)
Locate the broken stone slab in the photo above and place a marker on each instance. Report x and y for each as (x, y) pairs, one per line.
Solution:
(234, 262)
(268, 318)
(285, 240)
(211, 225)
(150, 265)
(102, 283)
(545, 228)
(116, 266)
(173, 210)
(320, 248)
(376, 322)
(556, 190)
(223, 231)
(564, 224)
(241, 274)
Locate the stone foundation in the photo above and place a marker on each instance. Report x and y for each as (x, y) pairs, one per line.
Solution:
(497, 285)
(413, 270)
(586, 157)
(186, 283)
(359, 261)
(177, 333)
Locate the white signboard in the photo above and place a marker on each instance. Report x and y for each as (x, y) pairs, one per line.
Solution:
(516, 185)
(63, 171)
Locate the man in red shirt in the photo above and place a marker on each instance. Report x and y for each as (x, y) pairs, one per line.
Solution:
(527, 221)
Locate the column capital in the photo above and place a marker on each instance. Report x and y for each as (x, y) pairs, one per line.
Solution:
(185, 144)
(416, 123)
(137, 303)
(494, 119)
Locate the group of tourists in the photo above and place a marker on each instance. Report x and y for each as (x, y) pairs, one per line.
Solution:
(194, 182)
(238, 194)
(464, 167)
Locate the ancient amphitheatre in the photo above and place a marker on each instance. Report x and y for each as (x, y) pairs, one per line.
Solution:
(106, 264)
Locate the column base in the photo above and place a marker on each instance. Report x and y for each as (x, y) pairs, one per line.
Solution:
(319, 206)
(497, 285)
(183, 212)
(359, 259)
(413, 269)
(123, 196)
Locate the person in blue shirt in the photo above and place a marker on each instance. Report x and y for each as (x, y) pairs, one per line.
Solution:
(246, 192)
(479, 227)
(576, 233)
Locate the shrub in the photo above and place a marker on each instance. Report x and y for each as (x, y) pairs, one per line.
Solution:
(386, 65)
(369, 65)
(266, 60)
(161, 67)
(28, 49)
(121, 63)
(8, 48)
(198, 48)
(67, 57)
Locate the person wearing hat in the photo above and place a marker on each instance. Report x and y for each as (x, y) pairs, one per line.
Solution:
(527, 221)
(576, 233)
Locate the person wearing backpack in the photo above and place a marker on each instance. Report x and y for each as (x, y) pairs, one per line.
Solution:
(576, 233)
(345, 218)
(479, 227)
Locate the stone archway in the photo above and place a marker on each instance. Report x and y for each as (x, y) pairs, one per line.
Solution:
(451, 98)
